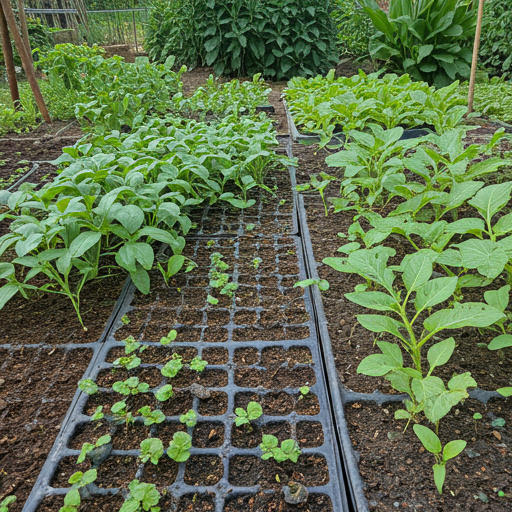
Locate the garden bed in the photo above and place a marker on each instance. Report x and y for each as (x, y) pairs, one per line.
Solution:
(395, 469)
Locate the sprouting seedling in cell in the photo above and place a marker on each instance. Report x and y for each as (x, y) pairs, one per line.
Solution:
(77, 480)
(131, 386)
(151, 417)
(151, 449)
(89, 447)
(142, 496)
(190, 418)
(179, 447)
(244, 417)
(121, 414)
(289, 449)
(172, 367)
(198, 364)
(169, 338)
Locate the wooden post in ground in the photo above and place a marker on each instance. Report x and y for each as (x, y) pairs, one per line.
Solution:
(9, 60)
(474, 63)
(24, 28)
(25, 59)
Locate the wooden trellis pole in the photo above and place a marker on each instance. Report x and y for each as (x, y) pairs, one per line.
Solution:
(9, 60)
(28, 66)
(474, 63)
(24, 27)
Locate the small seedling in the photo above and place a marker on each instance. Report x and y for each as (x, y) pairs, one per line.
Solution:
(129, 363)
(243, 417)
(190, 419)
(88, 386)
(164, 393)
(151, 417)
(283, 201)
(121, 414)
(476, 416)
(304, 391)
(142, 497)
(212, 300)
(198, 364)
(88, 447)
(322, 283)
(98, 414)
(77, 480)
(4, 505)
(172, 367)
(498, 422)
(125, 320)
(130, 386)
(256, 262)
(289, 449)
(432, 443)
(249, 227)
(170, 337)
(131, 345)
(151, 449)
(179, 447)
(210, 243)
(174, 265)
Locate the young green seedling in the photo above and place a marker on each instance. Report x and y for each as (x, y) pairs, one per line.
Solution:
(172, 367)
(131, 345)
(289, 449)
(243, 417)
(169, 338)
(128, 363)
(151, 417)
(4, 505)
(322, 284)
(88, 447)
(130, 386)
(125, 320)
(476, 416)
(174, 265)
(249, 227)
(98, 414)
(121, 414)
(256, 262)
(190, 419)
(212, 300)
(88, 386)
(198, 364)
(432, 443)
(78, 480)
(151, 449)
(179, 447)
(164, 393)
(304, 391)
(142, 497)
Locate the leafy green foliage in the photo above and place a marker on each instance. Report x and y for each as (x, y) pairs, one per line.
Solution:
(151, 417)
(429, 39)
(88, 386)
(289, 449)
(164, 393)
(179, 447)
(496, 41)
(190, 419)
(4, 504)
(280, 38)
(243, 417)
(142, 496)
(170, 337)
(130, 386)
(432, 443)
(77, 480)
(151, 449)
(89, 447)
(197, 364)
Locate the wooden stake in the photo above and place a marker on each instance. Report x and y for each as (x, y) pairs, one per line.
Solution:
(9, 60)
(474, 63)
(25, 60)
(24, 28)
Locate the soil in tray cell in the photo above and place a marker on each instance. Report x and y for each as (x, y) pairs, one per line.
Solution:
(34, 398)
(122, 437)
(208, 435)
(247, 470)
(50, 318)
(277, 379)
(250, 436)
(396, 468)
(264, 501)
(97, 504)
(203, 470)
(193, 502)
(215, 405)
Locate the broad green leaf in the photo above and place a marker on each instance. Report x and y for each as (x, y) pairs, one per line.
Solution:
(418, 269)
(428, 439)
(380, 323)
(462, 382)
(453, 448)
(500, 342)
(23, 247)
(439, 476)
(498, 299)
(174, 264)
(6, 293)
(434, 292)
(373, 300)
(83, 242)
(506, 392)
(463, 226)
(484, 255)
(440, 353)
(141, 279)
(491, 199)
(131, 217)
(376, 365)
(391, 350)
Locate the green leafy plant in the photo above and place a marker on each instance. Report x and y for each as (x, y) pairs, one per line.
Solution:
(320, 186)
(179, 447)
(429, 39)
(243, 417)
(197, 364)
(172, 367)
(130, 386)
(427, 393)
(164, 393)
(88, 386)
(142, 496)
(151, 449)
(190, 419)
(151, 417)
(89, 447)
(289, 449)
(4, 504)
(304, 391)
(432, 443)
(171, 336)
(77, 480)
(98, 414)
(322, 284)
(121, 414)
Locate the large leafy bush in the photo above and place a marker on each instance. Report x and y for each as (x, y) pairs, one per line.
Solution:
(428, 39)
(496, 46)
(279, 38)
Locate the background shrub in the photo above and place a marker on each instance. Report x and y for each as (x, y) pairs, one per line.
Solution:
(279, 38)
(496, 44)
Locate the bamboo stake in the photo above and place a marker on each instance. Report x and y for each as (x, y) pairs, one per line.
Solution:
(24, 28)
(474, 63)
(9, 61)
(25, 60)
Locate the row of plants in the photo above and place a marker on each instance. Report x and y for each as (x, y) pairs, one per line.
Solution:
(326, 106)
(445, 200)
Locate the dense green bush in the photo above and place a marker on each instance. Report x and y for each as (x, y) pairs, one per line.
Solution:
(354, 28)
(496, 45)
(279, 38)
(428, 39)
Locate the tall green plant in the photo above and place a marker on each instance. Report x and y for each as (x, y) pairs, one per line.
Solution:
(429, 39)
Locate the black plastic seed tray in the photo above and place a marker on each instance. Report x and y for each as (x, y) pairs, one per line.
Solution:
(261, 344)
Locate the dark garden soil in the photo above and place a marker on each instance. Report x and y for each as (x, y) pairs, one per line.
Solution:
(36, 388)
(395, 468)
